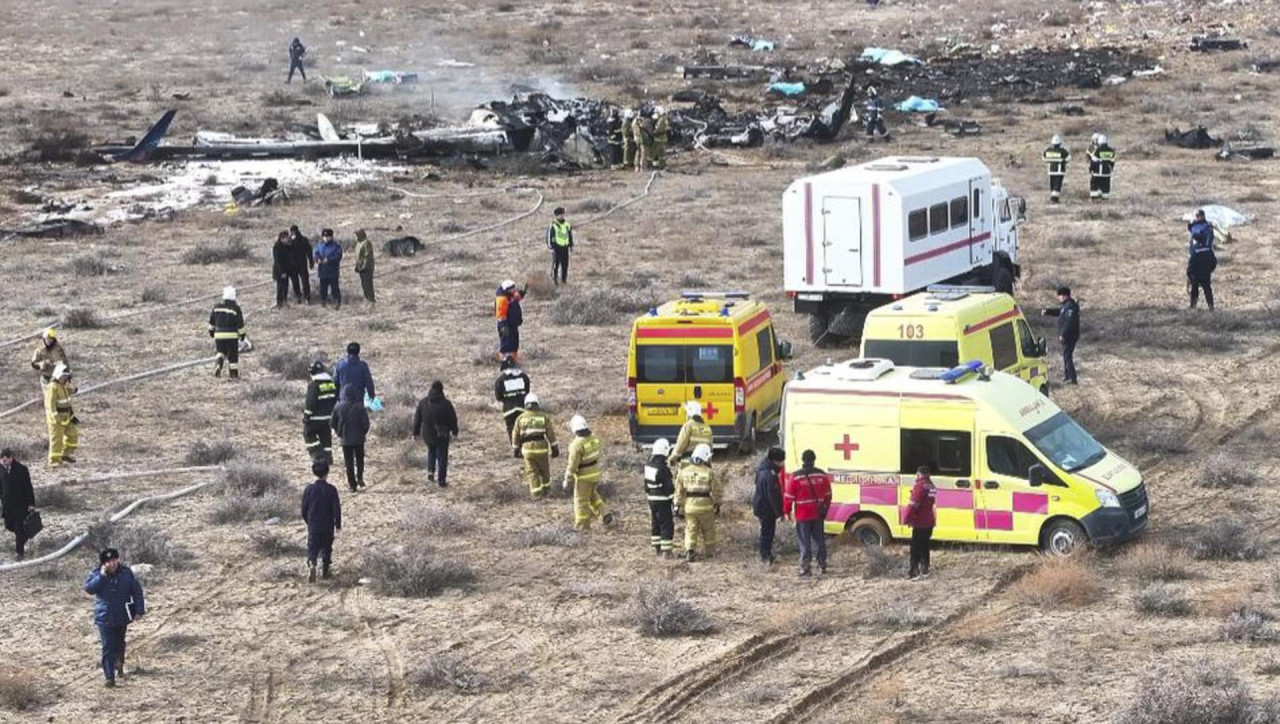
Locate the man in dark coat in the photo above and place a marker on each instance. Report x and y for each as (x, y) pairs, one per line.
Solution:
(304, 262)
(1068, 314)
(17, 497)
(435, 422)
(351, 422)
(296, 51)
(322, 512)
(282, 261)
(766, 503)
(1201, 261)
(118, 602)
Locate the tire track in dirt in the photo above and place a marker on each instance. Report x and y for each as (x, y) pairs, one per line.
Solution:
(353, 603)
(261, 705)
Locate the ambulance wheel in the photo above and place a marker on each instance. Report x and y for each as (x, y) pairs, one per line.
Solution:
(1063, 537)
(869, 531)
(1002, 279)
(1044, 389)
(747, 444)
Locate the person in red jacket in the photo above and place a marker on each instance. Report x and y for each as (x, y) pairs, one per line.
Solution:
(808, 494)
(921, 517)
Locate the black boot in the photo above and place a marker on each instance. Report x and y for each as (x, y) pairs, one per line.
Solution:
(325, 573)
(311, 571)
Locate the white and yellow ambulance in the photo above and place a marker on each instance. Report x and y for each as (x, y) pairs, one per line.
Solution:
(946, 324)
(716, 348)
(1009, 465)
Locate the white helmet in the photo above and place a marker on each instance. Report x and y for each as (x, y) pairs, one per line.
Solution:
(60, 370)
(693, 408)
(1095, 137)
(577, 423)
(872, 91)
(1102, 140)
(508, 285)
(1056, 140)
(629, 114)
(662, 447)
(701, 453)
(228, 294)
(531, 400)
(659, 110)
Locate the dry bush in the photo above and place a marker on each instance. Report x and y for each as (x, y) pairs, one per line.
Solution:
(250, 510)
(271, 544)
(90, 265)
(1202, 693)
(427, 521)
(592, 206)
(881, 563)
(24, 448)
(900, 614)
(290, 364)
(495, 493)
(250, 480)
(155, 294)
(657, 609)
(819, 622)
(416, 573)
(1073, 240)
(81, 318)
(1153, 562)
(278, 99)
(396, 423)
(1163, 441)
(215, 453)
(1227, 540)
(979, 631)
(548, 534)
(1248, 625)
(137, 543)
(56, 144)
(1058, 582)
(269, 391)
(176, 642)
(451, 226)
(58, 497)
(1027, 671)
(410, 456)
(20, 690)
(762, 694)
(207, 253)
(1225, 470)
(595, 308)
(450, 673)
(1161, 599)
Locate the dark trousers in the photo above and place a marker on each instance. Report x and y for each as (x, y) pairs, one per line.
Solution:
(1196, 286)
(1099, 186)
(366, 285)
(230, 350)
(876, 125)
(282, 290)
(813, 543)
(1055, 184)
(112, 638)
(320, 545)
(20, 539)
(319, 439)
(1069, 360)
(615, 153)
(304, 278)
(353, 458)
(438, 460)
(920, 538)
(295, 65)
(328, 286)
(509, 343)
(560, 264)
(768, 527)
(662, 526)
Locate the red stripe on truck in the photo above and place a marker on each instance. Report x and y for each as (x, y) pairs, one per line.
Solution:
(948, 248)
(682, 332)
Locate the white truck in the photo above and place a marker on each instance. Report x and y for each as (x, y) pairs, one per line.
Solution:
(858, 237)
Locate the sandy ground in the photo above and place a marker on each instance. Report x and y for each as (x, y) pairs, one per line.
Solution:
(232, 634)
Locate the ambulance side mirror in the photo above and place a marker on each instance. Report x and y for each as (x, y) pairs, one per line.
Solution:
(1042, 347)
(1036, 475)
(1020, 209)
(784, 350)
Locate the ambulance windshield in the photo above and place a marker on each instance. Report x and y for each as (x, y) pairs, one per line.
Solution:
(1065, 443)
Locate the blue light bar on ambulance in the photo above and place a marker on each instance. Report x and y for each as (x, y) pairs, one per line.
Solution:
(955, 374)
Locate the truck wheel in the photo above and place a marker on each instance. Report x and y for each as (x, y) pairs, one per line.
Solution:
(747, 444)
(870, 531)
(1063, 537)
(818, 325)
(1002, 279)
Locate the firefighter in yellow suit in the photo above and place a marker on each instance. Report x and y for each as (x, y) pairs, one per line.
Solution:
(628, 139)
(661, 134)
(534, 439)
(583, 474)
(64, 434)
(695, 432)
(699, 493)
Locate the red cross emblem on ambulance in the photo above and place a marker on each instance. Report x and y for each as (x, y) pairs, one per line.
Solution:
(710, 409)
(847, 447)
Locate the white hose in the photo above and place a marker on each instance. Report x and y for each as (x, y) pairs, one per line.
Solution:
(125, 476)
(108, 383)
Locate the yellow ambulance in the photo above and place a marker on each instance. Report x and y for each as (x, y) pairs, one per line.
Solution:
(1009, 465)
(946, 324)
(718, 348)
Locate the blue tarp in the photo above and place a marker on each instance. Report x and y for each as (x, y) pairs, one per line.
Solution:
(790, 90)
(916, 104)
(887, 56)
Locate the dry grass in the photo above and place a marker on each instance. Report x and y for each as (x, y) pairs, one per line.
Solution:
(211, 453)
(900, 614)
(290, 364)
(60, 498)
(1227, 470)
(448, 672)
(250, 480)
(494, 492)
(20, 690)
(137, 543)
(1058, 583)
(1228, 540)
(1249, 625)
(548, 534)
(250, 510)
(415, 573)
(81, 318)
(808, 622)
(431, 521)
(208, 253)
(596, 307)
(1148, 562)
(272, 544)
(1161, 599)
(657, 609)
(154, 294)
(90, 265)
(880, 563)
(1203, 693)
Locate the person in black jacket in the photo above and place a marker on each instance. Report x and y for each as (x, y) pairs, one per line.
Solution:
(17, 498)
(304, 261)
(317, 414)
(766, 502)
(435, 422)
(296, 52)
(322, 512)
(351, 421)
(226, 327)
(282, 261)
(510, 389)
(1068, 314)
(660, 489)
(1201, 261)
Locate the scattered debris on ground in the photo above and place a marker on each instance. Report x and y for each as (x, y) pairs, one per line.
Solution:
(1197, 137)
(758, 45)
(1206, 43)
(1245, 151)
(52, 228)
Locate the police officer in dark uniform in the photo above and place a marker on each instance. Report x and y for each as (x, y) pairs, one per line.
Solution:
(614, 138)
(1102, 162)
(1201, 261)
(296, 51)
(874, 113)
(1068, 314)
(510, 389)
(1056, 157)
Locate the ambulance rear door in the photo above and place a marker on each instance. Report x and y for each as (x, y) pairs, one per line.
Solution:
(660, 388)
(709, 364)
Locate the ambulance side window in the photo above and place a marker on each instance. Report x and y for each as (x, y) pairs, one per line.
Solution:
(764, 343)
(977, 203)
(1027, 340)
(947, 453)
(1004, 348)
(1007, 456)
(659, 363)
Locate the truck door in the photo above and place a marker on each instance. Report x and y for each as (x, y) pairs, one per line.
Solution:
(842, 240)
(979, 253)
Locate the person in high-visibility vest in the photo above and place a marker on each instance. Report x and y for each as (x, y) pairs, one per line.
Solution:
(699, 492)
(559, 241)
(1102, 163)
(322, 395)
(507, 310)
(64, 428)
(659, 489)
(661, 134)
(226, 327)
(1056, 157)
(534, 439)
(582, 473)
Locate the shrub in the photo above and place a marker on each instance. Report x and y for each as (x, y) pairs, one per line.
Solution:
(1153, 562)
(548, 535)
(137, 543)
(1228, 471)
(594, 308)
(81, 318)
(899, 615)
(1228, 540)
(58, 144)
(1073, 240)
(495, 493)
(58, 497)
(592, 206)
(291, 364)
(1248, 625)
(207, 253)
(1058, 582)
(215, 453)
(25, 448)
(20, 691)
(269, 391)
(89, 265)
(448, 672)
(415, 573)
(1202, 693)
(395, 424)
(1161, 599)
(250, 510)
(270, 544)
(1162, 441)
(881, 563)
(155, 294)
(179, 642)
(657, 609)
(436, 521)
(250, 480)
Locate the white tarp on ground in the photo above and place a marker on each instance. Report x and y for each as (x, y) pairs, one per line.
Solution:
(1220, 216)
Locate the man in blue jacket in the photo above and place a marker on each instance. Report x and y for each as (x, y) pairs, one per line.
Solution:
(766, 502)
(1201, 261)
(118, 602)
(328, 261)
(322, 512)
(351, 370)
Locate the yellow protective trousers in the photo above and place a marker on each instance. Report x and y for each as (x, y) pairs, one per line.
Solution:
(64, 438)
(699, 525)
(587, 503)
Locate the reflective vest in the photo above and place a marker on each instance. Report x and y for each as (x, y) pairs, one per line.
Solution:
(532, 432)
(697, 485)
(322, 395)
(1057, 157)
(584, 459)
(1101, 161)
(693, 434)
(561, 233)
(226, 321)
(658, 485)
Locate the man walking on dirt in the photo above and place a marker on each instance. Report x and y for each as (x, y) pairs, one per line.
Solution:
(118, 602)
(534, 439)
(322, 512)
(317, 414)
(296, 51)
(17, 498)
(766, 502)
(1068, 314)
(304, 262)
(560, 243)
(226, 327)
(807, 499)
(660, 489)
(1201, 261)
(510, 389)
